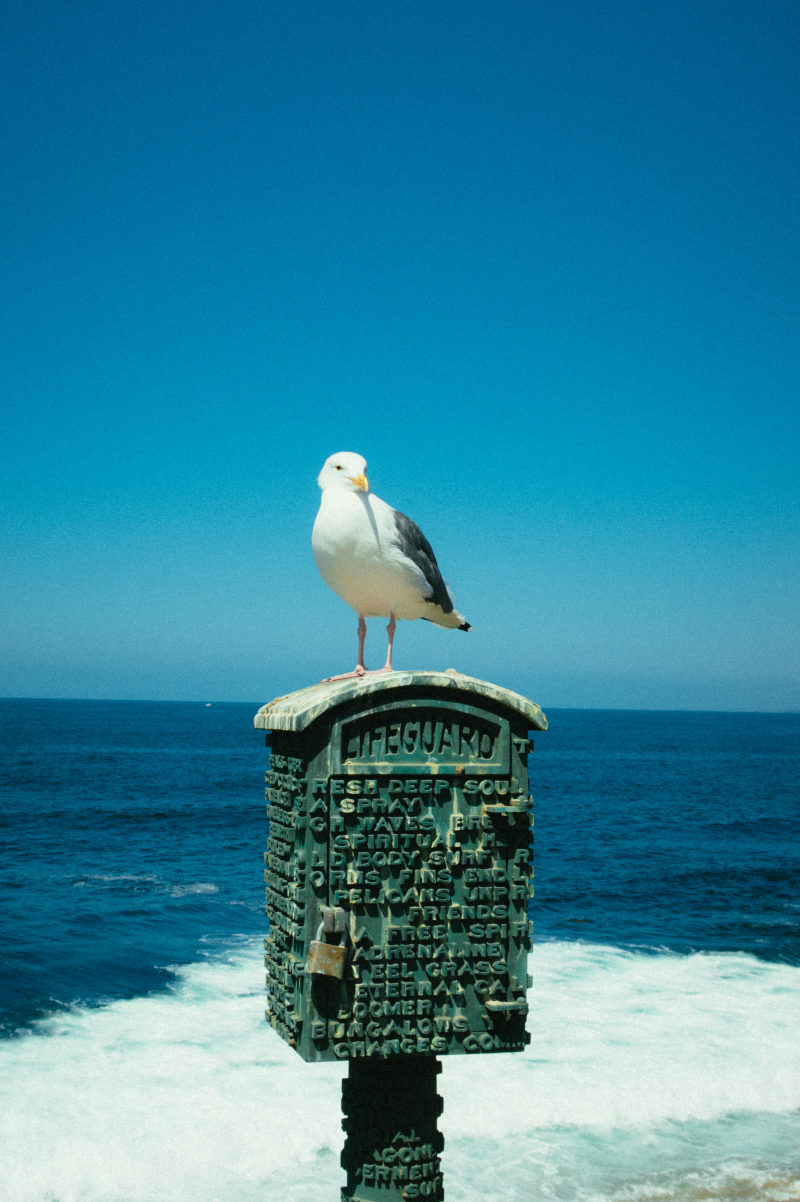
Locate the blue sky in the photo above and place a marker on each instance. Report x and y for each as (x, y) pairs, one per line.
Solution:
(537, 262)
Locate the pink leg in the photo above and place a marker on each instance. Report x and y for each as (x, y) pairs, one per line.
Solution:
(359, 669)
(362, 634)
(387, 667)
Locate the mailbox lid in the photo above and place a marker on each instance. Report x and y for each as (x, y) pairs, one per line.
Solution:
(298, 710)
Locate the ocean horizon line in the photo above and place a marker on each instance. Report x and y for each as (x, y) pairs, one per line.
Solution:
(554, 709)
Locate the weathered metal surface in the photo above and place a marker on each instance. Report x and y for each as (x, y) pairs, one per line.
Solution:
(327, 959)
(391, 1153)
(402, 800)
(298, 710)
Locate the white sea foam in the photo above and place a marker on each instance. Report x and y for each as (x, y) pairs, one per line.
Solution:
(199, 887)
(648, 1078)
(621, 1039)
(146, 882)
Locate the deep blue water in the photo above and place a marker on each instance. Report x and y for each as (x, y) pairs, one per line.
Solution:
(673, 830)
(132, 839)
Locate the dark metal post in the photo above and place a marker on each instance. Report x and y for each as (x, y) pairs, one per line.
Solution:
(392, 1148)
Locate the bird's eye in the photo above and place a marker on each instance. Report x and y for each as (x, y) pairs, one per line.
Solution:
(338, 467)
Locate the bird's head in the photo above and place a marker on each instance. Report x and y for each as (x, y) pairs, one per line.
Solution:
(344, 470)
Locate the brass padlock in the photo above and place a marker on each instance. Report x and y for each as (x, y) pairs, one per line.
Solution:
(327, 959)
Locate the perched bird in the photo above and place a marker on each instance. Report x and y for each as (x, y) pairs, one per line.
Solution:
(375, 558)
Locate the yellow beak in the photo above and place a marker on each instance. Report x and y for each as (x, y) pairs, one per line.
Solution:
(361, 481)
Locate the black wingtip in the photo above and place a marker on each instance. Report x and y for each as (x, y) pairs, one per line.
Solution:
(465, 626)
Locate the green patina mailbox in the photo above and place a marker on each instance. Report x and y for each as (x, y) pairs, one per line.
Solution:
(398, 867)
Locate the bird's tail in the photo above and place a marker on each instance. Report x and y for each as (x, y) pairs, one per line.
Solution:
(451, 621)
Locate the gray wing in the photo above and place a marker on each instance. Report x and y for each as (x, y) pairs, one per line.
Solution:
(415, 546)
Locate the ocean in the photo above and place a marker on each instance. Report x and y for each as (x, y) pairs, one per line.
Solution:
(135, 1061)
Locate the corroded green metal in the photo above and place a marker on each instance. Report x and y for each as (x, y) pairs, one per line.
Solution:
(402, 799)
(298, 710)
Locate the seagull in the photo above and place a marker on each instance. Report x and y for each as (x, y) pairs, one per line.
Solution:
(374, 557)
